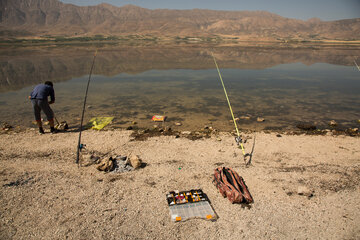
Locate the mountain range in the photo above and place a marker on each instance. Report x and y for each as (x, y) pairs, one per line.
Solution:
(20, 18)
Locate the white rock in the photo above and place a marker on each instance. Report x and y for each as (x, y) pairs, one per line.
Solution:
(186, 132)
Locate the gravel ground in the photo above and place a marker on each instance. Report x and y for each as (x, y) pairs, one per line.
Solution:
(304, 187)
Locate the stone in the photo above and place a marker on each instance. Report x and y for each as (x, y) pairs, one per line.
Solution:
(352, 131)
(106, 165)
(260, 119)
(245, 117)
(135, 161)
(333, 123)
(178, 124)
(186, 132)
(329, 133)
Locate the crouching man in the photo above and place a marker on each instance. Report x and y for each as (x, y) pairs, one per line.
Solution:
(39, 99)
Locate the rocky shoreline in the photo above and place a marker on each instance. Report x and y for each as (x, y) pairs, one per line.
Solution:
(140, 133)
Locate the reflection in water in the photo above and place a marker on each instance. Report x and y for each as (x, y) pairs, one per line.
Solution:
(21, 67)
(133, 84)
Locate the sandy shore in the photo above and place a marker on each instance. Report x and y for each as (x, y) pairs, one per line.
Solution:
(44, 195)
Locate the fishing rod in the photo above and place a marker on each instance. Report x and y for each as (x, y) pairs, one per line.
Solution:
(81, 146)
(238, 138)
(357, 65)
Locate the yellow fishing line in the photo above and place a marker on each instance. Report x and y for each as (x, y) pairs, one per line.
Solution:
(227, 98)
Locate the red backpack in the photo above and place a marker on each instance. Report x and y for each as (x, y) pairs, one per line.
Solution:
(231, 185)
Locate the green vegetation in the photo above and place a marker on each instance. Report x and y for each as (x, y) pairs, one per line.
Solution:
(85, 39)
(194, 39)
(48, 39)
(139, 39)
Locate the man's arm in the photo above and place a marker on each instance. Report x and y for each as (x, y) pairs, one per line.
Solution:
(31, 94)
(52, 96)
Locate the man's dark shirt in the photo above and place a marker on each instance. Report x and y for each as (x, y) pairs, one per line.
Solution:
(42, 91)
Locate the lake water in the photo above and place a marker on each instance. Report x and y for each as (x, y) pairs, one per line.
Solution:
(283, 85)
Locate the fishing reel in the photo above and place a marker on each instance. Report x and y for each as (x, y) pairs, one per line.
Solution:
(238, 140)
(247, 156)
(82, 146)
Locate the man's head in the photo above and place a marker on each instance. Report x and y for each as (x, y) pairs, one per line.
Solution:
(49, 83)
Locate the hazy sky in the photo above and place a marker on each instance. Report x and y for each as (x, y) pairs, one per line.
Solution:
(301, 9)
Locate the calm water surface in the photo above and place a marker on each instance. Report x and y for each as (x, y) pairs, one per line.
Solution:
(284, 86)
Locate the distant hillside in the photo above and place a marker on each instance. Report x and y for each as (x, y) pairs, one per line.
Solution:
(52, 17)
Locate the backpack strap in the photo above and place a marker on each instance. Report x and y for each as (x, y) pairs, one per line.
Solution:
(231, 185)
(233, 194)
(240, 185)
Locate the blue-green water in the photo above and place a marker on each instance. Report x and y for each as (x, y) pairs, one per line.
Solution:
(187, 89)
